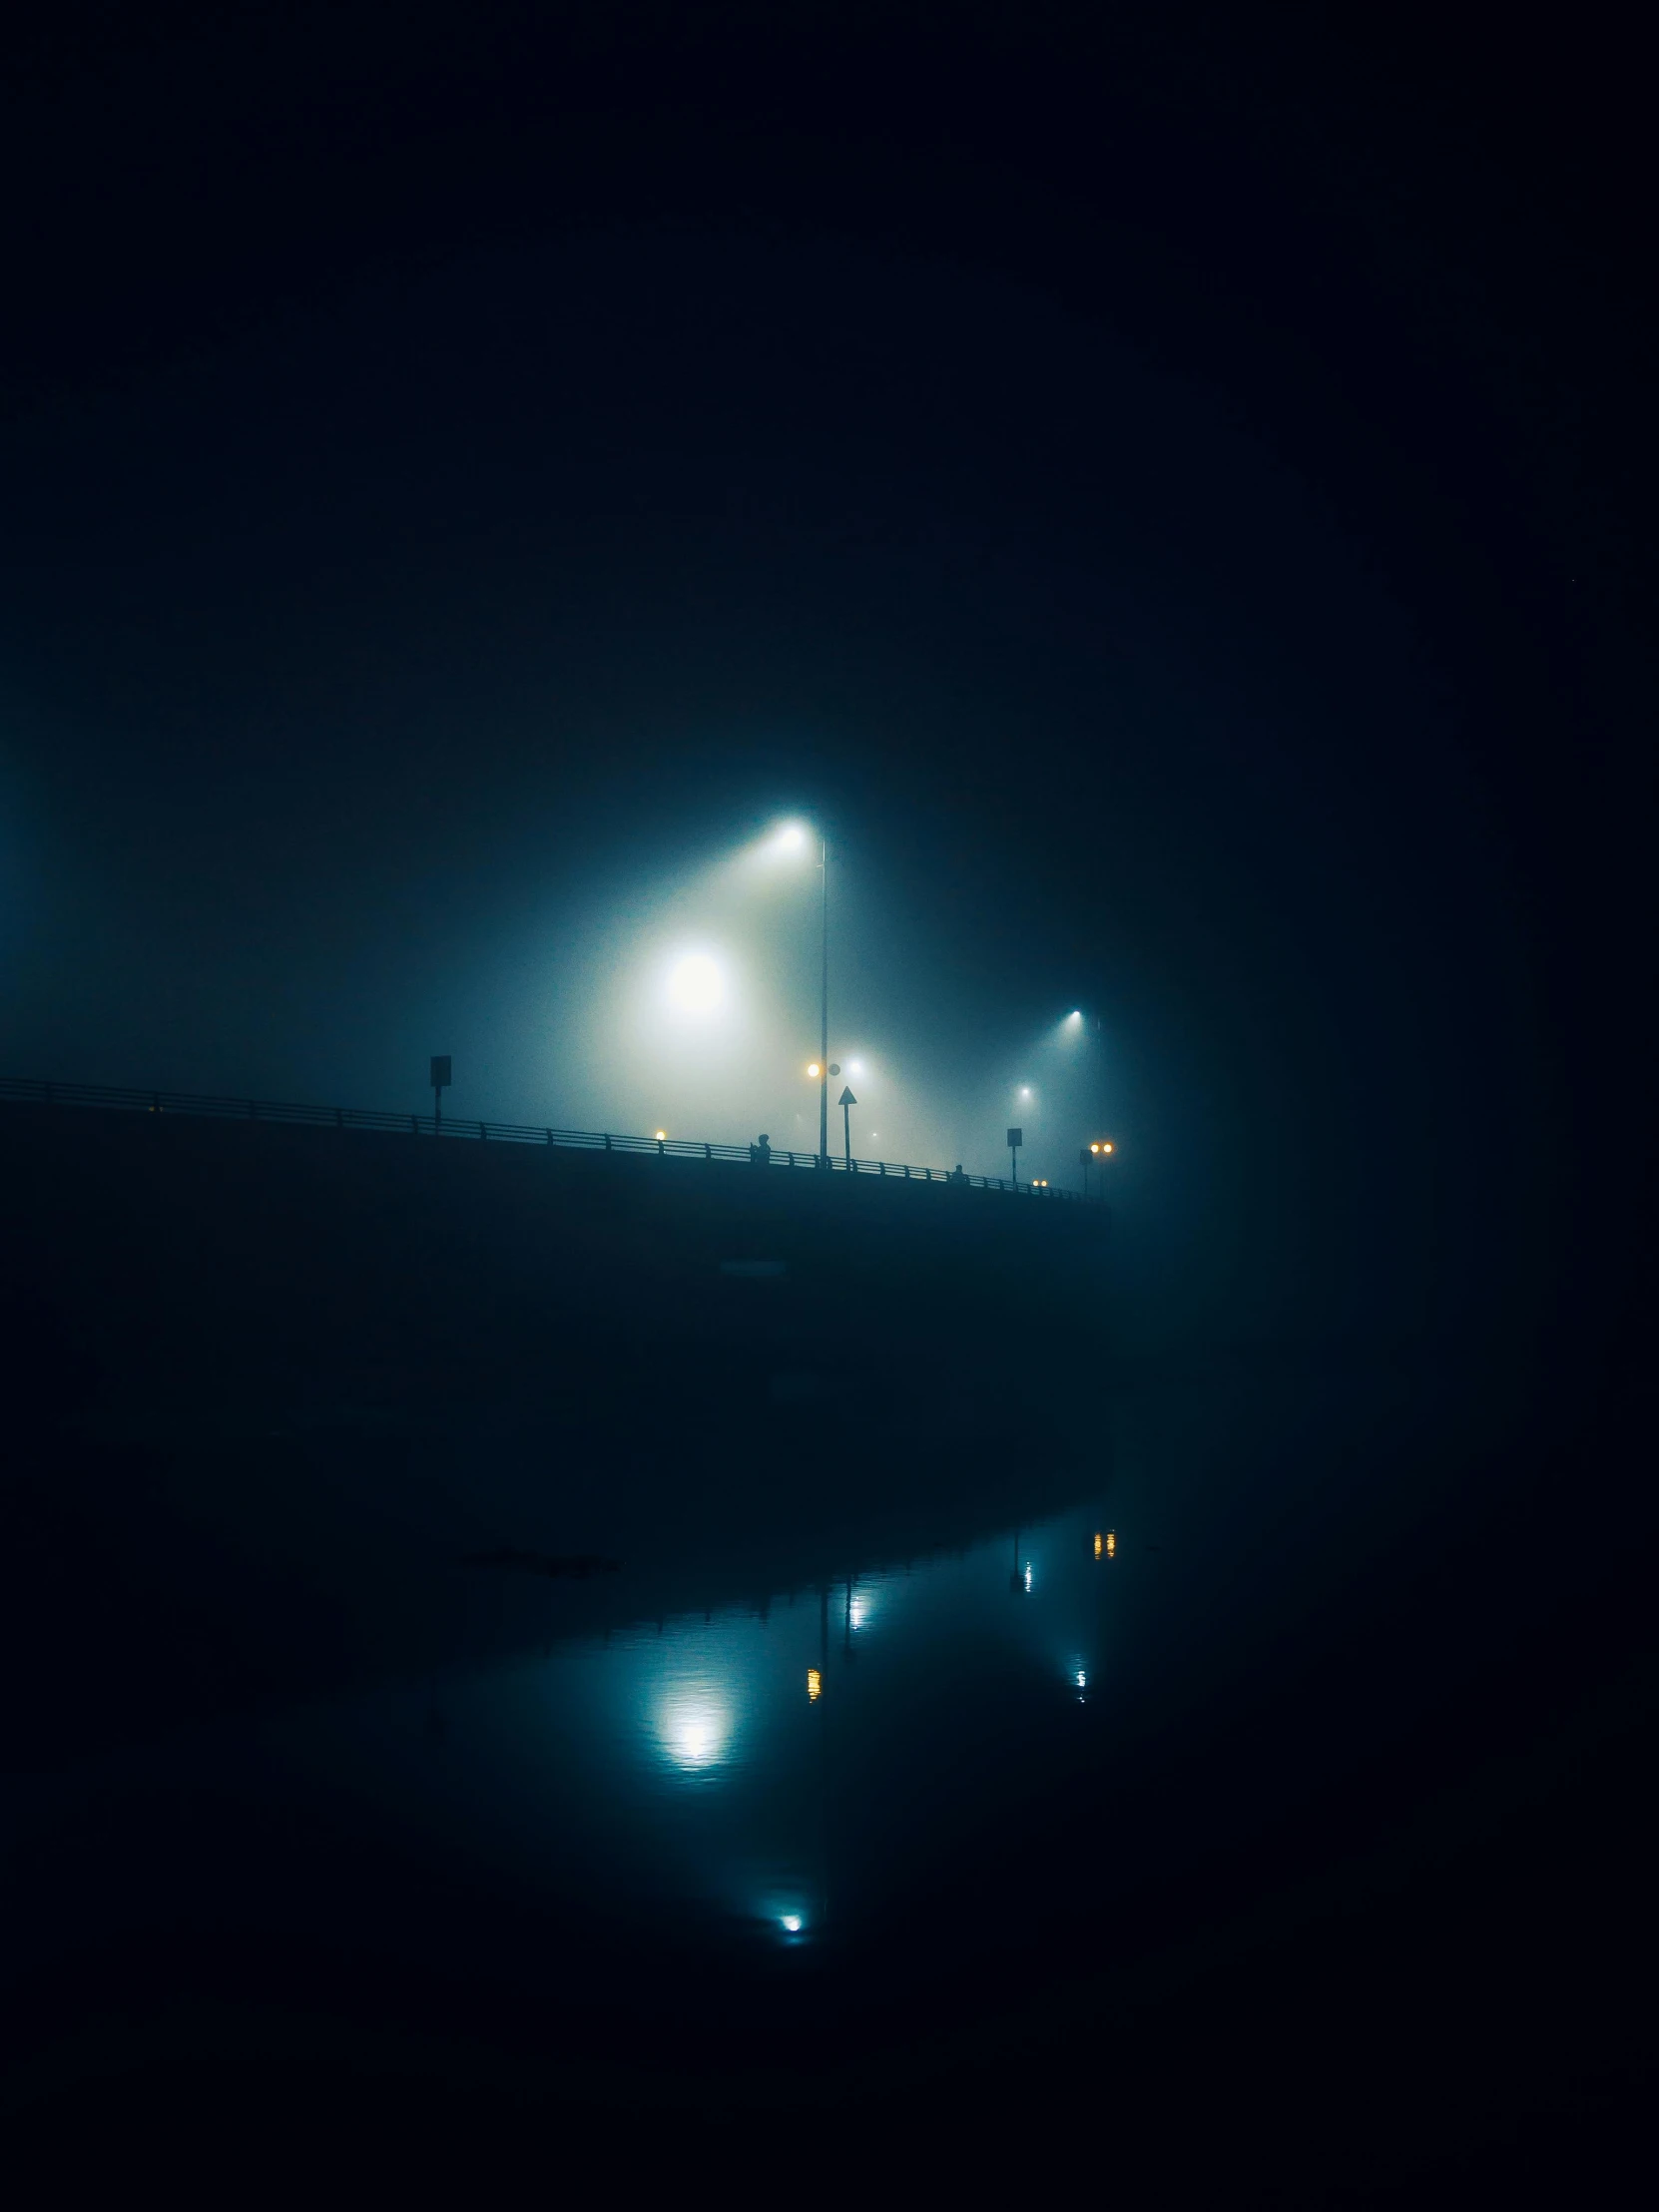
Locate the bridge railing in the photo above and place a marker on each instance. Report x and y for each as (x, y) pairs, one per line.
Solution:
(31, 1091)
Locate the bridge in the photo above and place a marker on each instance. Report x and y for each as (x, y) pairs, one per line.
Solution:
(263, 1276)
(26, 1090)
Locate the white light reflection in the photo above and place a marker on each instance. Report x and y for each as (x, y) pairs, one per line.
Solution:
(1028, 1578)
(694, 1726)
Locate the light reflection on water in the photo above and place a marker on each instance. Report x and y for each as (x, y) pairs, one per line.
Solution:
(771, 1770)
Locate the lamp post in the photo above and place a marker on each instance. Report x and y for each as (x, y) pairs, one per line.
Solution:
(791, 838)
(823, 1025)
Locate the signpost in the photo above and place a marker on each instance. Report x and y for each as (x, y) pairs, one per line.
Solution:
(1017, 1137)
(846, 1102)
(440, 1083)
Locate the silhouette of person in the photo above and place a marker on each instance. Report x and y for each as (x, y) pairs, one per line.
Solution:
(957, 1175)
(761, 1153)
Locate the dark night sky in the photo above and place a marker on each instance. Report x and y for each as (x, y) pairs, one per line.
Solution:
(1163, 495)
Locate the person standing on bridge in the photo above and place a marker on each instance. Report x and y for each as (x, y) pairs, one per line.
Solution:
(957, 1175)
(761, 1154)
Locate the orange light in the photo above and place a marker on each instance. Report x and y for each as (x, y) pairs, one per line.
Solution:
(660, 1135)
(1111, 1545)
(1099, 1546)
(813, 1685)
(815, 1070)
(1108, 1148)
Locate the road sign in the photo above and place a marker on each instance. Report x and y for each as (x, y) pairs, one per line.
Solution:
(846, 1098)
(1015, 1137)
(440, 1071)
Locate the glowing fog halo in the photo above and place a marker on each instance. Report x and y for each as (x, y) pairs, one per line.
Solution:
(785, 842)
(696, 983)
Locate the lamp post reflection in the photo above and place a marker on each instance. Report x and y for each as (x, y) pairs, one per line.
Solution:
(1019, 1581)
(822, 1761)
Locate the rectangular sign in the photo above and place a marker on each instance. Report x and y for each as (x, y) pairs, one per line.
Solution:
(440, 1071)
(1015, 1137)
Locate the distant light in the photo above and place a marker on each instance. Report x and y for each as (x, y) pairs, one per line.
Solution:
(662, 1136)
(1108, 1148)
(1025, 1090)
(792, 837)
(791, 1923)
(1099, 1546)
(1028, 1577)
(815, 1685)
(814, 1070)
(1111, 1545)
(1082, 1679)
(1076, 1014)
(696, 985)
(854, 1067)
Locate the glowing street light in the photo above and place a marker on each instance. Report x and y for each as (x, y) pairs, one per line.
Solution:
(823, 1011)
(788, 841)
(696, 985)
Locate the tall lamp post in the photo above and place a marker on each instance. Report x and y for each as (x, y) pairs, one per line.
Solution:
(823, 1027)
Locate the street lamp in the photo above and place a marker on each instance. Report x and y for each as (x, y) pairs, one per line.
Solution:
(790, 840)
(824, 1030)
(696, 985)
(1095, 1155)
